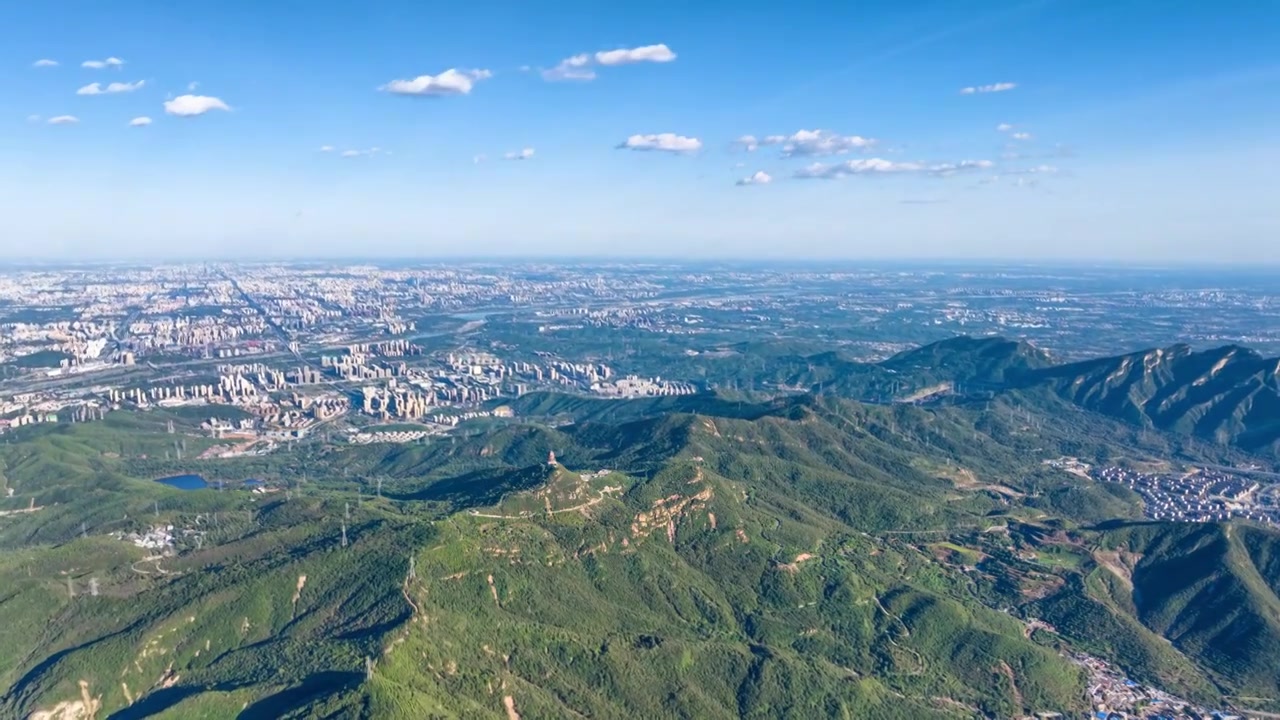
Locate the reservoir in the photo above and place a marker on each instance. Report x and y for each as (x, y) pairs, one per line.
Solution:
(185, 482)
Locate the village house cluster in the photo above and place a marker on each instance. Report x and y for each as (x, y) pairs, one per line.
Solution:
(1197, 495)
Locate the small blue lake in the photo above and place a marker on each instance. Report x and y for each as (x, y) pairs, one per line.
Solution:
(185, 482)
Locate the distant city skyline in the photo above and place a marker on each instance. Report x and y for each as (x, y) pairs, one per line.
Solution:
(1041, 131)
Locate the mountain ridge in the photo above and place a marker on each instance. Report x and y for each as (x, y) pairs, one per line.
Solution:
(1228, 394)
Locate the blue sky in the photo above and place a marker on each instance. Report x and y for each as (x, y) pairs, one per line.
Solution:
(1095, 130)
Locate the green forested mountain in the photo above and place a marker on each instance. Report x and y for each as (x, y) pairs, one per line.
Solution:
(1228, 395)
(704, 556)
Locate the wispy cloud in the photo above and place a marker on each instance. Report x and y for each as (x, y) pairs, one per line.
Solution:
(100, 64)
(111, 89)
(369, 152)
(576, 67)
(1004, 127)
(992, 88)
(449, 82)
(64, 120)
(580, 66)
(1033, 170)
(661, 142)
(34, 118)
(946, 169)
(326, 148)
(659, 53)
(192, 105)
(44, 63)
(1021, 136)
(880, 166)
(140, 121)
(759, 177)
(912, 39)
(525, 154)
(478, 159)
(812, 143)
(750, 143)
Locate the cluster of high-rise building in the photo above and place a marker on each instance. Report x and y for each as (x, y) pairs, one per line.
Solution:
(418, 402)
(388, 348)
(356, 367)
(230, 390)
(142, 337)
(322, 407)
(304, 375)
(182, 333)
(632, 386)
(396, 402)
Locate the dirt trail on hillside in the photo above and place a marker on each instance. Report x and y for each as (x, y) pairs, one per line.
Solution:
(404, 590)
(1111, 561)
(297, 593)
(906, 633)
(1007, 671)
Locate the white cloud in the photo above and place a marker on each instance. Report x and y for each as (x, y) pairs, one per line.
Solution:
(946, 169)
(191, 86)
(1021, 136)
(649, 53)
(856, 167)
(580, 66)
(44, 62)
(663, 142)
(99, 64)
(110, 89)
(1004, 127)
(810, 143)
(577, 67)
(326, 148)
(748, 142)
(361, 153)
(140, 121)
(449, 82)
(1034, 170)
(759, 177)
(880, 166)
(524, 154)
(993, 88)
(192, 105)
(64, 120)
